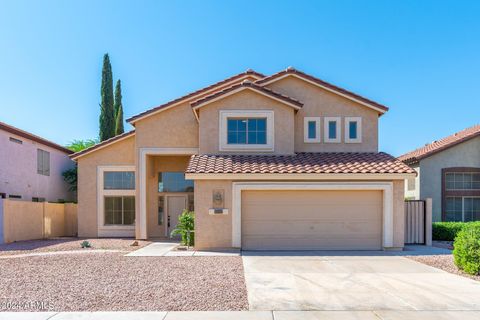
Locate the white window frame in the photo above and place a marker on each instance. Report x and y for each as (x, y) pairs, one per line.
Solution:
(222, 132)
(358, 120)
(326, 121)
(317, 138)
(112, 230)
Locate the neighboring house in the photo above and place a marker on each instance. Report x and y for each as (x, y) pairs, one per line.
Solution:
(449, 173)
(285, 161)
(31, 167)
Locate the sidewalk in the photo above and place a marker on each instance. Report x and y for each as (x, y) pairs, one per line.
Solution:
(247, 315)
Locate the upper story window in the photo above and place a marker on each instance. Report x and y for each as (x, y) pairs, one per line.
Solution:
(119, 180)
(332, 129)
(174, 182)
(15, 140)
(311, 127)
(43, 162)
(353, 129)
(462, 181)
(246, 130)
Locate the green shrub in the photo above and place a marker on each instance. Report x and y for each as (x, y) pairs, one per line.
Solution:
(446, 231)
(185, 227)
(466, 250)
(85, 244)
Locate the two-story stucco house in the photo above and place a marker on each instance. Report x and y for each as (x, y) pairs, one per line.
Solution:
(285, 161)
(449, 173)
(31, 167)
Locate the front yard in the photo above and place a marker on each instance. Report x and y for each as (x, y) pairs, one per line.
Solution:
(109, 281)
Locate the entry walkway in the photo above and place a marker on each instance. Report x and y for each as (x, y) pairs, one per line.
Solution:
(165, 249)
(247, 315)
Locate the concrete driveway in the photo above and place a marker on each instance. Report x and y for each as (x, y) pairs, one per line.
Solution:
(346, 281)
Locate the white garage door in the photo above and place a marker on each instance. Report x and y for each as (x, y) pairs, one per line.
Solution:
(311, 220)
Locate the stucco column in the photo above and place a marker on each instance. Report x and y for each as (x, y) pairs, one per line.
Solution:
(141, 216)
(428, 221)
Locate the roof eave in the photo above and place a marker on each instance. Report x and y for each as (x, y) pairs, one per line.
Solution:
(101, 145)
(193, 95)
(299, 176)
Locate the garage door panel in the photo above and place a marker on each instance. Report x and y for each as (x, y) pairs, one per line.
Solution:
(319, 220)
(326, 228)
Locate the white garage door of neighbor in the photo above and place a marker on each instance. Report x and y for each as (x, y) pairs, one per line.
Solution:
(312, 220)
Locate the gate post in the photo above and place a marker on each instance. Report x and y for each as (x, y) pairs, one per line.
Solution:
(428, 221)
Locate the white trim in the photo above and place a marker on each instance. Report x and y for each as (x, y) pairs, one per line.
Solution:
(224, 115)
(347, 121)
(103, 146)
(317, 138)
(298, 176)
(385, 187)
(382, 111)
(326, 121)
(241, 88)
(102, 229)
(141, 202)
(190, 98)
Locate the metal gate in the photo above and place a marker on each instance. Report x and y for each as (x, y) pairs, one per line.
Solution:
(415, 222)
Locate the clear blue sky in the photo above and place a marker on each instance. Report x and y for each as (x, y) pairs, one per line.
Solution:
(420, 58)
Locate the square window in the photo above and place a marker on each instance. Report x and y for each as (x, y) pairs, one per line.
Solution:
(311, 128)
(246, 131)
(353, 129)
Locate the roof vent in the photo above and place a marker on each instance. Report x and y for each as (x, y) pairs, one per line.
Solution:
(247, 82)
(249, 70)
(290, 68)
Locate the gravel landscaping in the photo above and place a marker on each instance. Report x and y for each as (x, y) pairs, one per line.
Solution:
(68, 244)
(109, 281)
(444, 262)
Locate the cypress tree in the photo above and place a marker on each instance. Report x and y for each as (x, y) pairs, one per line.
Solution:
(118, 107)
(107, 115)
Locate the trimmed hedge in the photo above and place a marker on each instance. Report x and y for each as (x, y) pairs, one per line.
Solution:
(447, 231)
(466, 250)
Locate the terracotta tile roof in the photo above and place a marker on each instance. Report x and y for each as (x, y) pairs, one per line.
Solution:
(301, 74)
(197, 92)
(28, 135)
(102, 144)
(440, 145)
(319, 163)
(248, 84)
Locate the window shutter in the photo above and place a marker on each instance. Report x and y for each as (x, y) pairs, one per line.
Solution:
(46, 163)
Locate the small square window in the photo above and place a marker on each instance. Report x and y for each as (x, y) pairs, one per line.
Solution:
(311, 129)
(353, 129)
(332, 130)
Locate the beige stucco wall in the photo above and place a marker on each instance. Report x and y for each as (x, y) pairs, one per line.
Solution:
(172, 128)
(398, 213)
(319, 102)
(246, 100)
(118, 153)
(215, 231)
(156, 164)
(212, 231)
(26, 220)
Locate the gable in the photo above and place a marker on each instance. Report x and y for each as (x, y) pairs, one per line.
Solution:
(249, 75)
(293, 73)
(246, 86)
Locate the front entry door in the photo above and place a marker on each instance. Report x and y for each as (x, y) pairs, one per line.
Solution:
(175, 207)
